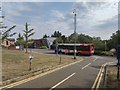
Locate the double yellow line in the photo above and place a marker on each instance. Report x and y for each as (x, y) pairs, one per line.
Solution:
(97, 81)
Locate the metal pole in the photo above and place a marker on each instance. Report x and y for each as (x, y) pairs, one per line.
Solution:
(105, 46)
(30, 65)
(118, 73)
(60, 57)
(74, 33)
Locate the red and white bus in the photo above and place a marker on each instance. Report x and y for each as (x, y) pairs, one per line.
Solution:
(85, 49)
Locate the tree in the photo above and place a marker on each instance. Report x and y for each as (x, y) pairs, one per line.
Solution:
(45, 36)
(82, 38)
(27, 33)
(64, 38)
(114, 40)
(73, 37)
(20, 40)
(7, 33)
(99, 45)
(56, 34)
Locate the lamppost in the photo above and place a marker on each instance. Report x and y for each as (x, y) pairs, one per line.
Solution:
(74, 12)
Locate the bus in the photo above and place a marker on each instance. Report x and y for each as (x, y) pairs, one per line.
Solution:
(84, 49)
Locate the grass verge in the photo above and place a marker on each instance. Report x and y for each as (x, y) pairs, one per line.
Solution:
(112, 81)
(16, 63)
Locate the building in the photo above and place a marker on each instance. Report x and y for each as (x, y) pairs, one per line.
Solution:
(50, 41)
(37, 43)
(8, 43)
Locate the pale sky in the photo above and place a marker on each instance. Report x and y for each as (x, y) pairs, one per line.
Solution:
(98, 19)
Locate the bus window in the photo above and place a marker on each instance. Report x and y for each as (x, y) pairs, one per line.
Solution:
(83, 48)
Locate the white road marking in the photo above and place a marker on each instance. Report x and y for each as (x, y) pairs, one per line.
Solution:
(62, 81)
(95, 59)
(86, 66)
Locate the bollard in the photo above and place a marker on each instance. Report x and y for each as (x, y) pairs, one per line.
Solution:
(30, 62)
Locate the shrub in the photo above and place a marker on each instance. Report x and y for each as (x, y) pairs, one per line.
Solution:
(107, 53)
(43, 47)
(104, 53)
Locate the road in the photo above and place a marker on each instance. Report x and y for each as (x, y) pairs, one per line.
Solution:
(44, 51)
(79, 75)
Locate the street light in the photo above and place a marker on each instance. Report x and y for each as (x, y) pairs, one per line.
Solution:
(74, 12)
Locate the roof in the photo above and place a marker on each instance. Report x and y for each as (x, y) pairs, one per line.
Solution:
(71, 44)
(11, 39)
(38, 39)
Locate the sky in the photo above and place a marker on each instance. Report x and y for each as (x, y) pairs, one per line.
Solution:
(99, 19)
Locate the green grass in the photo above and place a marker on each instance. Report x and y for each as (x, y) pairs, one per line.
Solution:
(43, 47)
(15, 63)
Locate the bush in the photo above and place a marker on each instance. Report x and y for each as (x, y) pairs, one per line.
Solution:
(104, 53)
(107, 53)
(43, 47)
(97, 52)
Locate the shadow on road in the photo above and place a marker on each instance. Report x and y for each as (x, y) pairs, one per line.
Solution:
(97, 67)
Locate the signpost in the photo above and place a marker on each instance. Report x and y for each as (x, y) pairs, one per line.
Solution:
(118, 58)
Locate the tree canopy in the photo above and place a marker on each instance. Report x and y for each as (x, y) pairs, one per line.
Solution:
(99, 44)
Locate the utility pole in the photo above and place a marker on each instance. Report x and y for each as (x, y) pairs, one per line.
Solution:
(74, 12)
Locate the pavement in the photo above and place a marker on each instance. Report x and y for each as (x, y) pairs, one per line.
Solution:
(80, 75)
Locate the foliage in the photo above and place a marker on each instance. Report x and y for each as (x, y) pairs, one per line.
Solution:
(27, 34)
(45, 36)
(114, 40)
(73, 37)
(100, 46)
(82, 38)
(56, 34)
(7, 33)
(20, 40)
(104, 53)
